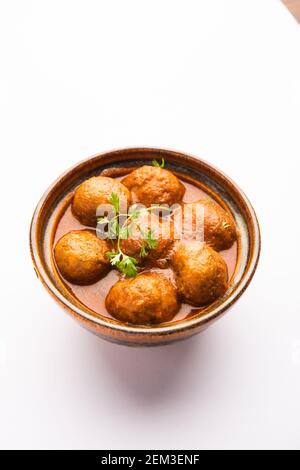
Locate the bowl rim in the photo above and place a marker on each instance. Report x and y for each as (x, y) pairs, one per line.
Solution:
(183, 325)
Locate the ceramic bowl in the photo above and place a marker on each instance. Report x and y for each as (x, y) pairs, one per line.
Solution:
(45, 220)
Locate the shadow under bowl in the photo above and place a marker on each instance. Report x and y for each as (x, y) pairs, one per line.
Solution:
(44, 224)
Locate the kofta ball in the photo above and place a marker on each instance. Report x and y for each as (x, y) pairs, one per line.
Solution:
(201, 273)
(149, 298)
(150, 240)
(94, 192)
(81, 257)
(153, 185)
(215, 224)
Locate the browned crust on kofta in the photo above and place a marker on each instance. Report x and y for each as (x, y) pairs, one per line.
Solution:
(154, 185)
(81, 257)
(149, 298)
(92, 193)
(201, 273)
(219, 226)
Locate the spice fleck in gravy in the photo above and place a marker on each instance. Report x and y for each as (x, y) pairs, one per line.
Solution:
(93, 296)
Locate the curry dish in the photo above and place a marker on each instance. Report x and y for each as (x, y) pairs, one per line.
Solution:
(146, 264)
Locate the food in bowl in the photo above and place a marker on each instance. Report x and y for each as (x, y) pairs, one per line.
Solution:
(148, 298)
(154, 185)
(122, 250)
(201, 273)
(85, 302)
(81, 256)
(93, 192)
(218, 225)
(137, 243)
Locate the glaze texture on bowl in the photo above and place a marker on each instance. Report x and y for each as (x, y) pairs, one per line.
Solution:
(45, 220)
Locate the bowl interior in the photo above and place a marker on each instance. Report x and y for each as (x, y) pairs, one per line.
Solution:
(50, 207)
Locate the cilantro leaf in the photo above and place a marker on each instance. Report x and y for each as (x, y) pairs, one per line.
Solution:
(115, 201)
(143, 251)
(113, 229)
(119, 230)
(115, 258)
(157, 164)
(128, 266)
(125, 232)
(149, 243)
(125, 264)
(225, 225)
(102, 220)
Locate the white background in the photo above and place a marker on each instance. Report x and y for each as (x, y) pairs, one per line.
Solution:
(219, 79)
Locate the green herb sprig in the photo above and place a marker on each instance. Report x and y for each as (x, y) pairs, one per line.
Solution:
(148, 244)
(125, 264)
(157, 164)
(118, 259)
(225, 225)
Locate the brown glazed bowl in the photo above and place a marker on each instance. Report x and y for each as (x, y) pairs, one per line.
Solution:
(45, 220)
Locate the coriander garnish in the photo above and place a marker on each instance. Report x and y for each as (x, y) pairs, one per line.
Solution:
(226, 225)
(157, 164)
(149, 243)
(124, 263)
